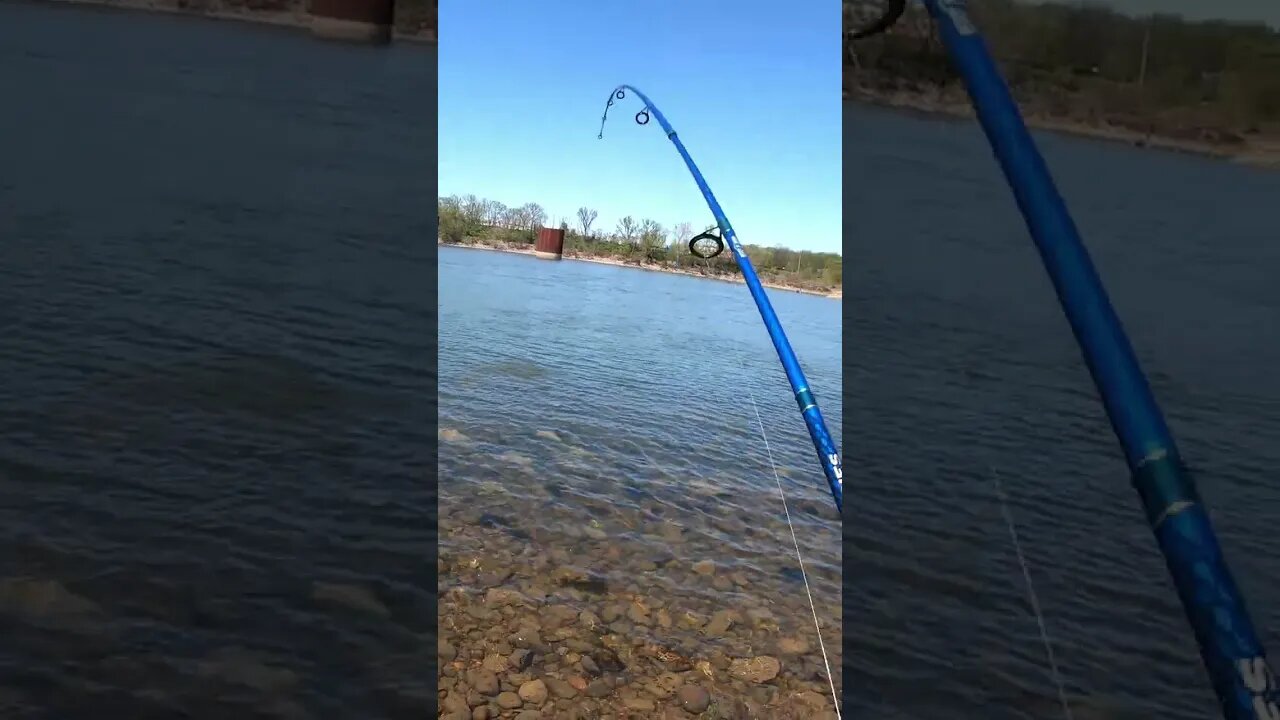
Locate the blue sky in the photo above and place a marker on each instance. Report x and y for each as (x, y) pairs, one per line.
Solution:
(752, 87)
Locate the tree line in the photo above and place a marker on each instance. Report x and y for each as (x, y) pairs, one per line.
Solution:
(413, 17)
(1204, 80)
(469, 219)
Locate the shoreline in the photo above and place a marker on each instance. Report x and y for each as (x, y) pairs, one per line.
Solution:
(1262, 153)
(650, 267)
(300, 20)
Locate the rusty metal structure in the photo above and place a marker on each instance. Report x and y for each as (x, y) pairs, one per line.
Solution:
(367, 21)
(550, 243)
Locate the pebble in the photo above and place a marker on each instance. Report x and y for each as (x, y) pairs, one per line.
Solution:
(672, 533)
(501, 596)
(636, 702)
(455, 702)
(599, 688)
(520, 660)
(793, 646)
(562, 689)
(485, 682)
(494, 663)
(565, 627)
(693, 699)
(608, 661)
(534, 692)
(638, 614)
(527, 638)
(719, 624)
(446, 651)
(757, 669)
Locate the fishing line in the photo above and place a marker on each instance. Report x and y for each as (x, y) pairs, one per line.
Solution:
(1230, 646)
(1031, 594)
(828, 456)
(642, 117)
(813, 608)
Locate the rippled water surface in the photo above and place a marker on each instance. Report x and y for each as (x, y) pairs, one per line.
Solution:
(965, 368)
(213, 403)
(599, 449)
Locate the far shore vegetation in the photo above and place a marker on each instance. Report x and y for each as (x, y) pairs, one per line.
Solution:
(471, 220)
(414, 19)
(1159, 80)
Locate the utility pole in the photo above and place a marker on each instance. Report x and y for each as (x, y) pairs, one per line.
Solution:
(1146, 44)
(1142, 78)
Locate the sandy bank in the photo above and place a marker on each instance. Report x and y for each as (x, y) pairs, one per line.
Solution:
(1256, 151)
(650, 266)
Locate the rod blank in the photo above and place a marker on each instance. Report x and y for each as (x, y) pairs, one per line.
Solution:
(1229, 645)
(828, 456)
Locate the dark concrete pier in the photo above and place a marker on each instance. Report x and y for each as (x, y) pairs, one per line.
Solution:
(367, 21)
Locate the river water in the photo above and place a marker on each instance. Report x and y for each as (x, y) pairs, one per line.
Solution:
(215, 416)
(600, 451)
(960, 368)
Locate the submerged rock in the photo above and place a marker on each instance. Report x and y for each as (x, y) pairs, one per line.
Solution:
(241, 666)
(42, 599)
(759, 669)
(533, 692)
(693, 699)
(350, 596)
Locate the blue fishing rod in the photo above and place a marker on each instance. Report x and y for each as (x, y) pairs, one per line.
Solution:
(710, 244)
(1229, 645)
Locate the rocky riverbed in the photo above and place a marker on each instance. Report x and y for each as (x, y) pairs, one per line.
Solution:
(556, 602)
(560, 644)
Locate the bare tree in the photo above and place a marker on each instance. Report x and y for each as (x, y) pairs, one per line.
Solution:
(682, 233)
(627, 229)
(652, 238)
(533, 216)
(494, 213)
(451, 203)
(651, 230)
(473, 209)
(586, 216)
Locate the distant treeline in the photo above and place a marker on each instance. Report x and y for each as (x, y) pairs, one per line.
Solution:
(473, 220)
(417, 16)
(1214, 81)
(413, 17)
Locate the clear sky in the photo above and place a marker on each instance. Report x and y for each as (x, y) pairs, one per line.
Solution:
(752, 87)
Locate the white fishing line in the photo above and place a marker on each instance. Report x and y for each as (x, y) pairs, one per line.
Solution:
(1031, 595)
(817, 626)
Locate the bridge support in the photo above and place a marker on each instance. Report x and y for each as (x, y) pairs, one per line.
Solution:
(550, 243)
(368, 21)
